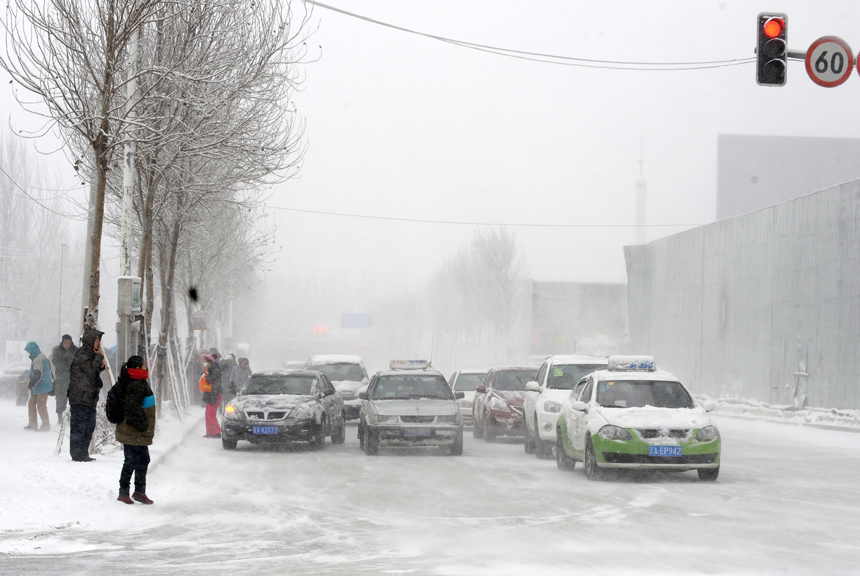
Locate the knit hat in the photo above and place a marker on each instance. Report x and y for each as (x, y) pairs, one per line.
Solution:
(210, 357)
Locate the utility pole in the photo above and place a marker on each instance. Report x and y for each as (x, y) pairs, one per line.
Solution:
(128, 295)
(60, 299)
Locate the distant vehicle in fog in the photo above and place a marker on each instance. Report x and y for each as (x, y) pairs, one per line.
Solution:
(348, 375)
(294, 364)
(498, 406)
(555, 379)
(410, 405)
(281, 406)
(466, 381)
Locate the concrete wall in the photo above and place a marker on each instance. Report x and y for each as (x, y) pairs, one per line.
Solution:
(745, 306)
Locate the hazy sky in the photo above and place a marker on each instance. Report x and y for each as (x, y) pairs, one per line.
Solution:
(405, 126)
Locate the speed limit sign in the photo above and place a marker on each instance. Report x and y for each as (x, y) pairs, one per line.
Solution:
(829, 61)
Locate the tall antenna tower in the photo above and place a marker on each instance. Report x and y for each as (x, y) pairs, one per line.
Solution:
(641, 198)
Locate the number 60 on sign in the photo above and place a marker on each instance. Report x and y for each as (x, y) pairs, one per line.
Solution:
(829, 61)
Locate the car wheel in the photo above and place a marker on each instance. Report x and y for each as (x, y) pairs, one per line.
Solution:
(338, 436)
(708, 474)
(371, 443)
(488, 434)
(562, 460)
(318, 442)
(228, 444)
(456, 448)
(529, 442)
(360, 438)
(477, 431)
(543, 449)
(592, 470)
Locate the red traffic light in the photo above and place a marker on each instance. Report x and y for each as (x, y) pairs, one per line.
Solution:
(774, 27)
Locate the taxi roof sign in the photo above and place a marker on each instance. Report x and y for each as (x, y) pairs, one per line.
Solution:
(409, 365)
(631, 363)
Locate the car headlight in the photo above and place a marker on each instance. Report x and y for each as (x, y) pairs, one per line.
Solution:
(610, 432)
(498, 405)
(304, 413)
(550, 406)
(707, 434)
(230, 412)
(452, 419)
(383, 419)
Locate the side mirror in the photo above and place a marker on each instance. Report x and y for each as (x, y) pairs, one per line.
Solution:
(459, 395)
(532, 387)
(579, 405)
(328, 392)
(481, 389)
(363, 396)
(709, 406)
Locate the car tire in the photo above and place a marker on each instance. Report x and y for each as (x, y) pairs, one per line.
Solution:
(477, 431)
(338, 436)
(371, 443)
(360, 438)
(528, 442)
(228, 444)
(562, 460)
(456, 448)
(708, 474)
(543, 449)
(488, 434)
(318, 442)
(592, 470)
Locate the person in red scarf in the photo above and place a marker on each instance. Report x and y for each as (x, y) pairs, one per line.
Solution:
(136, 430)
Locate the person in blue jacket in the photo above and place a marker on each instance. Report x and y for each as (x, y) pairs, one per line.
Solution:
(40, 386)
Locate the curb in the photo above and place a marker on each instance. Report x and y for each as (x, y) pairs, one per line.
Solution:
(832, 427)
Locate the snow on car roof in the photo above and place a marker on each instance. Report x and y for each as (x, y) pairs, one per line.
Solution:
(474, 370)
(409, 373)
(285, 371)
(576, 359)
(335, 359)
(603, 375)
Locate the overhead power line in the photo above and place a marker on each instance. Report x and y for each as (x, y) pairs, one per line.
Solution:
(463, 223)
(551, 58)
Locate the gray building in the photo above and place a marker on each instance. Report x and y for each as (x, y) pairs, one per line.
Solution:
(755, 172)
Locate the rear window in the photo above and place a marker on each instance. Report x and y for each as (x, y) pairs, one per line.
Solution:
(283, 384)
(412, 386)
(513, 380)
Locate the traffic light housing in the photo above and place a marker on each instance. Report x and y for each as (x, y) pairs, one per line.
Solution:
(772, 49)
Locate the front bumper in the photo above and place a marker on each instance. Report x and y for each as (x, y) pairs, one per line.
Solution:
(547, 422)
(415, 434)
(633, 454)
(466, 413)
(506, 423)
(289, 430)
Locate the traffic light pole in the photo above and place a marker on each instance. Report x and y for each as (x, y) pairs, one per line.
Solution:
(795, 55)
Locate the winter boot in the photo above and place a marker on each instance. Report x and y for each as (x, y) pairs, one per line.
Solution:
(124, 499)
(141, 497)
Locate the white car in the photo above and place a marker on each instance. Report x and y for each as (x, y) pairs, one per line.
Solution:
(555, 379)
(466, 381)
(347, 374)
(633, 416)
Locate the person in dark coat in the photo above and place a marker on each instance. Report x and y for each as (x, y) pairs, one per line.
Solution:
(84, 387)
(212, 398)
(228, 392)
(40, 386)
(241, 375)
(136, 430)
(61, 358)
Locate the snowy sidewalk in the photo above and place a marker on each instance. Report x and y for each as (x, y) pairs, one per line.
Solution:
(42, 491)
(822, 418)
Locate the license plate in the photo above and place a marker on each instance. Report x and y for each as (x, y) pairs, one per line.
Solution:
(670, 451)
(417, 432)
(265, 429)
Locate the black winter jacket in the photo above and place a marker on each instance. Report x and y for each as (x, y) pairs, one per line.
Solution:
(84, 381)
(214, 378)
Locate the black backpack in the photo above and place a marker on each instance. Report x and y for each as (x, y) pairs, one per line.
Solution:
(115, 406)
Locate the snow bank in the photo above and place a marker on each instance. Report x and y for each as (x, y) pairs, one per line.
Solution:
(826, 418)
(44, 492)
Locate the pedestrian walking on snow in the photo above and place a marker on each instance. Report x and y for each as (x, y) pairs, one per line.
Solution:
(61, 358)
(241, 375)
(136, 430)
(84, 387)
(40, 385)
(210, 385)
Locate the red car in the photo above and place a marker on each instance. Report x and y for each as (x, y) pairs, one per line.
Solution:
(498, 406)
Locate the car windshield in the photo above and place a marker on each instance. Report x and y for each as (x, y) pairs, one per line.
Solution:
(468, 382)
(341, 371)
(279, 384)
(638, 393)
(512, 380)
(566, 377)
(399, 387)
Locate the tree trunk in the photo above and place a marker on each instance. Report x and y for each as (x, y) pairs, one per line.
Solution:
(167, 277)
(92, 316)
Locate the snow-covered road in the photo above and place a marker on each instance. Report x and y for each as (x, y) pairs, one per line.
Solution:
(785, 503)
